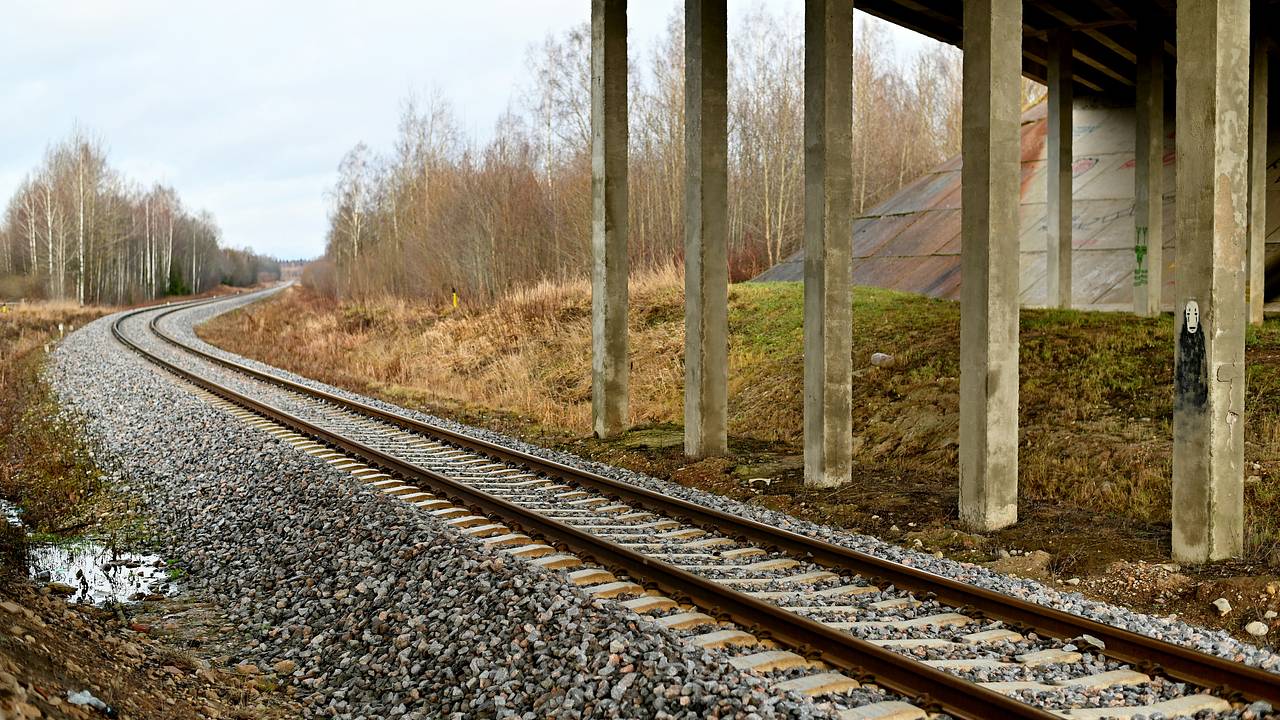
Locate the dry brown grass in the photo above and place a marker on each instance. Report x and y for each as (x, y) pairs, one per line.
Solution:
(28, 327)
(24, 325)
(528, 355)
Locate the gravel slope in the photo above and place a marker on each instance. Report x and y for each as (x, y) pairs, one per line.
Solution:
(368, 606)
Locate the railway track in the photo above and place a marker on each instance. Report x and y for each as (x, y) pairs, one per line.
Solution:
(806, 615)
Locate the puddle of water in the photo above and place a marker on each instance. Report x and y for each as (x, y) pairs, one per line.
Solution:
(10, 513)
(98, 574)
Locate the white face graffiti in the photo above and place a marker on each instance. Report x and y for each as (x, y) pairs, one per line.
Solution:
(1193, 316)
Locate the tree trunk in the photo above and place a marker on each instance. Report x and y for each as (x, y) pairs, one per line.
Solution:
(80, 274)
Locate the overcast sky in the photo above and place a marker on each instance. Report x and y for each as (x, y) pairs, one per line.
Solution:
(247, 107)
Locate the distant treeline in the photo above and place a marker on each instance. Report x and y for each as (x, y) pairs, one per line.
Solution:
(77, 229)
(438, 211)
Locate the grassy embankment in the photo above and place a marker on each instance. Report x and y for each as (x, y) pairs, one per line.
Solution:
(46, 468)
(1095, 415)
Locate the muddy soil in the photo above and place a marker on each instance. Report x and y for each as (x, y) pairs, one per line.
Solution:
(156, 659)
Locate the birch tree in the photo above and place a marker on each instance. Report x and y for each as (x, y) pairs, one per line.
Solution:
(75, 229)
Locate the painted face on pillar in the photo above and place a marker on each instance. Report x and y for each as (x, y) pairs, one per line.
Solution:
(1191, 385)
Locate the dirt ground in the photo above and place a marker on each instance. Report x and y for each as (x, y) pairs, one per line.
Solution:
(160, 659)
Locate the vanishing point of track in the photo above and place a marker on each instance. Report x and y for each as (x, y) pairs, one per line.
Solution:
(491, 489)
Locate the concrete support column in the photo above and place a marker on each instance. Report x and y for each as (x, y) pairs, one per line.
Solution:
(609, 366)
(990, 186)
(1257, 280)
(1212, 192)
(706, 209)
(828, 239)
(1058, 208)
(1148, 190)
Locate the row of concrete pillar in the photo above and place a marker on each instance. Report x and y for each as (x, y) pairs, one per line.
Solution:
(1215, 212)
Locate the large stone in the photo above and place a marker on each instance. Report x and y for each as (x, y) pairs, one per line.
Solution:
(1034, 564)
(59, 588)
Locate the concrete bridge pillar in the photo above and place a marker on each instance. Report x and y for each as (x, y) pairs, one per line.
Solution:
(609, 364)
(1258, 173)
(989, 266)
(1148, 215)
(706, 278)
(828, 238)
(1212, 213)
(1058, 208)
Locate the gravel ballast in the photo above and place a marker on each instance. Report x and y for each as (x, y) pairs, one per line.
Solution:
(366, 605)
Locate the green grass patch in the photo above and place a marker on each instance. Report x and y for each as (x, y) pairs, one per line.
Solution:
(1095, 397)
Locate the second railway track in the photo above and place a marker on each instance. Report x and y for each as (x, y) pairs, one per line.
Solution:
(811, 616)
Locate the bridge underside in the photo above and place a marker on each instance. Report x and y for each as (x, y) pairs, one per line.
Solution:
(1105, 34)
(1101, 224)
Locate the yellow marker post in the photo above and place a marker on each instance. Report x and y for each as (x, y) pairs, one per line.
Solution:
(455, 299)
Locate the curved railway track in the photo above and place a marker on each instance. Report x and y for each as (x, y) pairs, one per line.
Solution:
(830, 618)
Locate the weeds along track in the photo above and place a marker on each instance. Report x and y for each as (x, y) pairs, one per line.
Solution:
(804, 614)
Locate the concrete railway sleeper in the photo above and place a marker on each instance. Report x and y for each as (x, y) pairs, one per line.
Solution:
(818, 606)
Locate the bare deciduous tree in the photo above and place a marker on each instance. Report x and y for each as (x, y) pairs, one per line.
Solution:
(76, 229)
(442, 212)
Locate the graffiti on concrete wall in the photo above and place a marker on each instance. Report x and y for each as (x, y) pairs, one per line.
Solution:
(1140, 253)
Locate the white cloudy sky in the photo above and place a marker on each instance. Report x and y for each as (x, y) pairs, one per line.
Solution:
(246, 107)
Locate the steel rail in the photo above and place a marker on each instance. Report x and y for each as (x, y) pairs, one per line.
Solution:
(929, 687)
(1226, 678)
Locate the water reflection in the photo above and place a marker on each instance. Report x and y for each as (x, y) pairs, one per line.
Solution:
(94, 572)
(97, 574)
